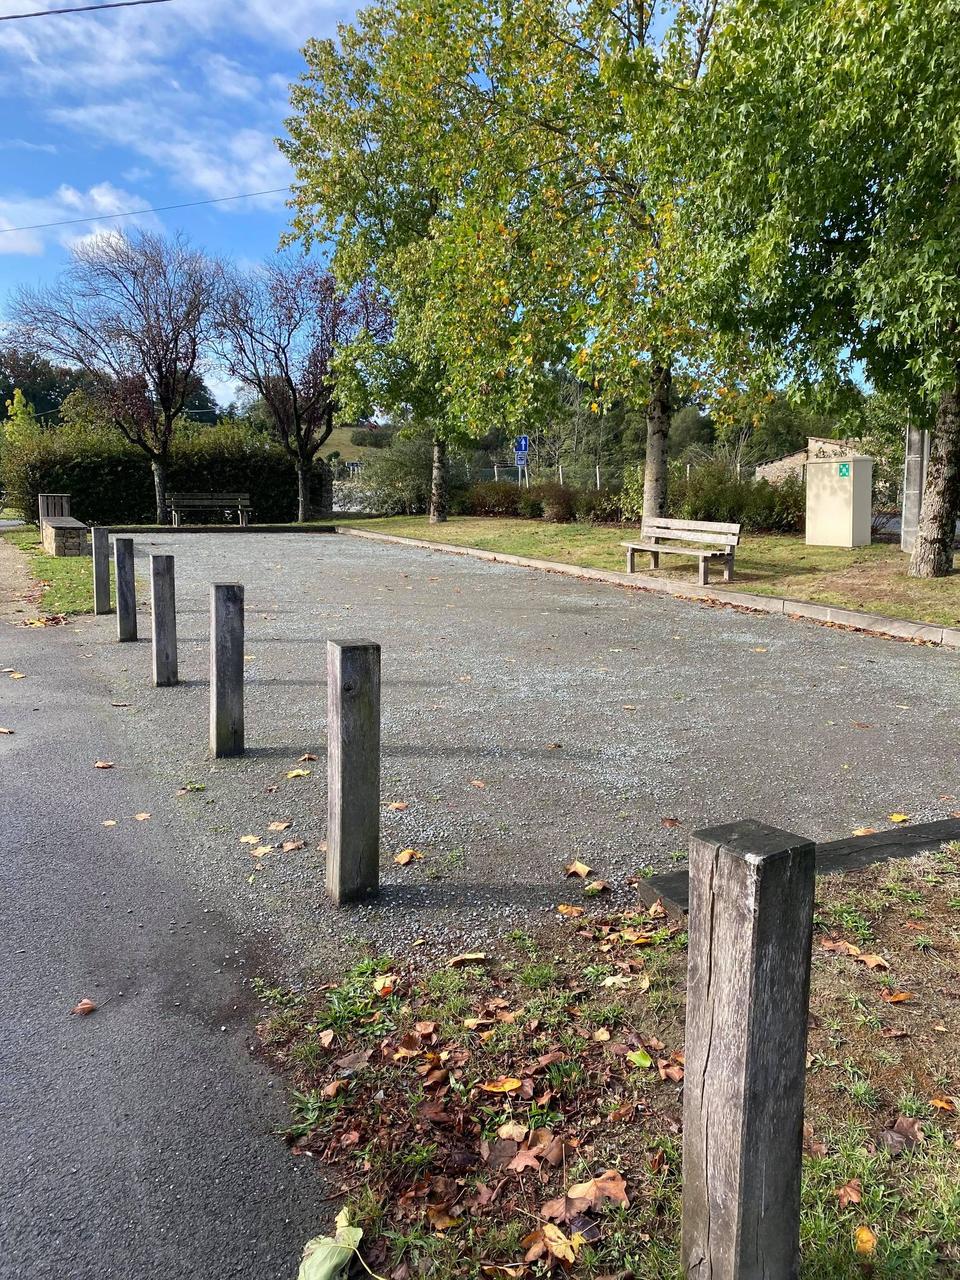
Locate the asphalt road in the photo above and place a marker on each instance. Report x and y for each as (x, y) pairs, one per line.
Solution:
(136, 1141)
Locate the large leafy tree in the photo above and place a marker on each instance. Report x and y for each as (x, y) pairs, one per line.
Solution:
(482, 160)
(820, 170)
(133, 314)
(279, 329)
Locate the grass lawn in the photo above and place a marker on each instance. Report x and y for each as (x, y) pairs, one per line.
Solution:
(453, 1105)
(871, 578)
(67, 581)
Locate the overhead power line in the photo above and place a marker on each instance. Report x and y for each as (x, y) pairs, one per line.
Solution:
(80, 8)
(133, 213)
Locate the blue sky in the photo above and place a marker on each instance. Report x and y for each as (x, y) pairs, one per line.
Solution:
(130, 108)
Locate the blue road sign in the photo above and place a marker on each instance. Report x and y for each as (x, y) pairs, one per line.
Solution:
(522, 444)
(520, 457)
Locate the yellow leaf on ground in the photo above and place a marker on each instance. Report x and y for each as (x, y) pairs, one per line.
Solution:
(577, 869)
(864, 831)
(505, 1084)
(406, 856)
(864, 1240)
(899, 817)
(398, 806)
(249, 839)
(298, 773)
(468, 957)
(110, 822)
(896, 997)
(279, 826)
(141, 817)
(385, 985)
(565, 909)
(943, 1104)
(17, 675)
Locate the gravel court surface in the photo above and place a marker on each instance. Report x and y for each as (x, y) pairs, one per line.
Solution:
(661, 708)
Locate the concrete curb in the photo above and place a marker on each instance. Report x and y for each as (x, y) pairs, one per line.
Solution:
(826, 615)
(222, 528)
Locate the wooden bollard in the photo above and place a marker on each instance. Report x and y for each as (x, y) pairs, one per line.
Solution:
(163, 603)
(748, 994)
(226, 669)
(126, 589)
(353, 770)
(101, 569)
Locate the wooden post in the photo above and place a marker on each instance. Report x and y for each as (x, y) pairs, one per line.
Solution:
(353, 770)
(163, 602)
(748, 992)
(126, 589)
(101, 569)
(226, 669)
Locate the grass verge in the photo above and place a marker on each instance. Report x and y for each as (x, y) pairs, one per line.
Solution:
(507, 1115)
(873, 579)
(66, 582)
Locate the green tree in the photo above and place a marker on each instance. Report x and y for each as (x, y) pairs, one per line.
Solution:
(819, 162)
(479, 160)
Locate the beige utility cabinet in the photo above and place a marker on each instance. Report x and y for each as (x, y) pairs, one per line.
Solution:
(839, 502)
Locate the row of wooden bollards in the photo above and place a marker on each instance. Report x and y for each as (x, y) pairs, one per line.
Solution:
(353, 704)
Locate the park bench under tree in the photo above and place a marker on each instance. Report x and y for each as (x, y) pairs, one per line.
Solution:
(705, 539)
(181, 502)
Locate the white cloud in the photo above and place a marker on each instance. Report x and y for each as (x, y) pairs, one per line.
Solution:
(66, 203)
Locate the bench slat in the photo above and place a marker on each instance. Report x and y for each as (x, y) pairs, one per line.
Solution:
(705, 553)
(683, 535)
(707, 526)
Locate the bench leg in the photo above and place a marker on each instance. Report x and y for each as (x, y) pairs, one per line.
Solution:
(728, 568)
(243, 517)
(704, 571)
(631, 560)
(654, 559)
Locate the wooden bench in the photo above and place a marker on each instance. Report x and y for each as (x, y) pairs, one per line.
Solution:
(708, 541)
(181, 502)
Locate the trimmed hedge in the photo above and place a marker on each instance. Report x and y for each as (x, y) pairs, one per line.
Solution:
(111, 482)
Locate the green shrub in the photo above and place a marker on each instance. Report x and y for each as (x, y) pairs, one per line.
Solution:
(530, 503)
(491, 498)
(599, 506)
(110, 481)
(558, 502)
(397, 481)
(713, 492)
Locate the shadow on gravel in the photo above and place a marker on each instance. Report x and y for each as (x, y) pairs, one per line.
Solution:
(465, 894)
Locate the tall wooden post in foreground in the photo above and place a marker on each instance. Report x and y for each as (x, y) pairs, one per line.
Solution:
(748, 992)
(163, 603)
(353, 770)
(100, 537)
(226, 669)
(126, 589)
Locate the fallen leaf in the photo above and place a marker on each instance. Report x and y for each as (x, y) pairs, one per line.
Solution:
(865, 831)
(478, 783)
(670, 822)
(468, 957)
(839, 947)
(864, 1240)
(306, 757)
(262, 850)
(565, 909)
(895, 997)
(550, 1241)
(850, 1193)
(5, 732)
(104, 764)
(608, 1186)
(398, 806)
(84, 1008)
(943, 1104)
(279, 826)
(350, 1063)
(904, 1134)
(595, 887)
(872, 961)
(110, 822)
(505, 1084)
(291, 846)
(640, 1058)
(17, 675)
(141, 817)
(406, 856)
(385, 984)
(576, 869)
(601, 1035)
(249, 839)
(298, 773)
(553, 746)
(327, 1257)
(189, 787)
(899, 817)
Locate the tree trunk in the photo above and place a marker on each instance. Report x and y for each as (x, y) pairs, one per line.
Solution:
(933, 550)
(438, 490)
(658, 428)
(303, 491)
(159, 468)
